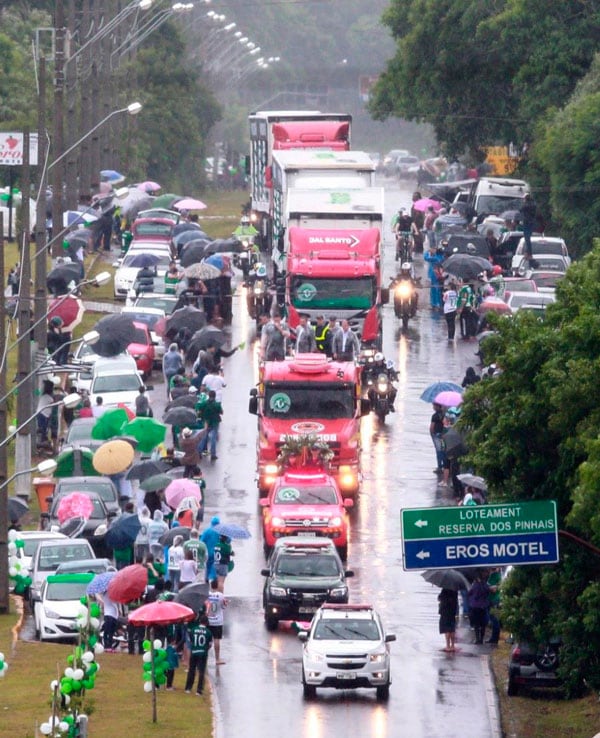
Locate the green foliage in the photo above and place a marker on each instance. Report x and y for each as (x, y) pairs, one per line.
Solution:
(534, 435)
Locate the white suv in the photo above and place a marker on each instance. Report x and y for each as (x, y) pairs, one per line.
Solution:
(346, 648)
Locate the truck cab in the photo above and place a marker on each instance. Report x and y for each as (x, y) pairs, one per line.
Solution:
(309, 395)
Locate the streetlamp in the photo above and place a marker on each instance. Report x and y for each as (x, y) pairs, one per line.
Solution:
(45, 468)
(69, 401)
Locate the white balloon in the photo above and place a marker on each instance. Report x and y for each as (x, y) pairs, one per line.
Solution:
(53, 685)
(69, 672)
(147, 686)
(63, 727)
(95, 623)
(45, 728)
(12, 571)
(67, 699)
(88, 657)
(98, 648)
(158, 643)
(82, 610)
(12, 550)
(78, 674)
(13, 535)
(147, 657)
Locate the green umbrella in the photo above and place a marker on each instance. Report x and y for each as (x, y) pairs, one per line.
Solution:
(149, 432)
(110, 424)
(75, 462)
(156, 482)
(166, 201)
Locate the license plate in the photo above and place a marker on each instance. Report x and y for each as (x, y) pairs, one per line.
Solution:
(306, 533)
(307, 609)
(346, 675)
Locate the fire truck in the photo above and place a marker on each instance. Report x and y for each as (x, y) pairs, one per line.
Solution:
(309, 395)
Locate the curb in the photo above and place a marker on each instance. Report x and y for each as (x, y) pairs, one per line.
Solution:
(217, 714)
(19, 603)
(491, 698)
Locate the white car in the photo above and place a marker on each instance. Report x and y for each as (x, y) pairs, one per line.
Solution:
(149, 316)
(517, 300)
(49, 554)
(31, 540)
(95, 363)
(116, 387)
(543, 249)
(346, 648)
(126, 275)
(55, 609)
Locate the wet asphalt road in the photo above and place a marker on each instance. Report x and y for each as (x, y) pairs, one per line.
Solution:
(258, 691)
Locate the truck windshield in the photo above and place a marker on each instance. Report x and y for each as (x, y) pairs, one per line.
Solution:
(496, 204)
(308, 401)
(325, 293)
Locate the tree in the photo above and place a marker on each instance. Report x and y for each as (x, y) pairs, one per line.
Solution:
(533, 435)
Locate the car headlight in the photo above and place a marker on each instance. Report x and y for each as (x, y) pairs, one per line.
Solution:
(271, 469)
(338, 592)
(277, 591)
(335, 522)
(377, 658)
(51, 614)
(314, 655)
(277, 522)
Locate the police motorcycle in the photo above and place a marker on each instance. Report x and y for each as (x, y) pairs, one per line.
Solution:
(406, 298)
(248, 257)
(378, 377)
(258, 295)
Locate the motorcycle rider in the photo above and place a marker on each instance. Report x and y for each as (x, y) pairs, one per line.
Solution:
(322, 334)
(403, 229)
(406, 274)
(371, 373)
(246, 234)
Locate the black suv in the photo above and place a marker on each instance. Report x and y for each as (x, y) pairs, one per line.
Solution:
(302, 575)
(529, 666)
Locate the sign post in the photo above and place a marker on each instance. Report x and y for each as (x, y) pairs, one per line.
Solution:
(480, 535)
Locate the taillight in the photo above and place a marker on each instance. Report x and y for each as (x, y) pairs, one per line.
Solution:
(516, 655)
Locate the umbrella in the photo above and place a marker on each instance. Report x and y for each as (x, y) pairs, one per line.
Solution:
(426, 202)
(166, 201)
(148, 432)
(109, 424)
(180, 488)
(73, 527)
(465, 266)
(193, 596)
(156, 482)
(60, 279)
(193, 251)
(511, 215)
(202, 271)
(225, 246)
(100, 582)
(116, 332)
(454, 444)
(161, 612)
(429, 393)
(135, 201)
(494, 304)
(189, 203)
(112, 176)
(142, 470)
(143, 260)
(128, 584)
(220, 261)
(179, 530)
(16, 509)
(183, 401)
(81, 235)
(123, 531)
(74, 217)
(231, 530)
(472, 480)
(446, 579)
(70, 310)
(75, 462)
(74, 505)
(186, 317)
(148, 186)
(186, 225)
(448, 398)
(208, 336)
(188, 236)
(113, 457)
(180, 416)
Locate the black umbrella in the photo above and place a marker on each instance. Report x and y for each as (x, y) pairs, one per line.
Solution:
(156, 482)
(193, 252)
(168, 537)
(468, 243)
(446, 579)
(80, 237)
(147, 468)
(186, 236)
(183, 401)
(183, 227)
(123, 531)
(143, 260)
(209, 336)
(454, 444)
(465, 266)
(224, 246)
(186, 317)
(115, 333)
(16, 509)
(193, 596)
(180, 416)
(60, 278)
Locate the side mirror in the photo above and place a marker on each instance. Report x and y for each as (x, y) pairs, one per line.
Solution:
(303, 636)
(385, 295)
(253, 406)
(349, 573)
(253, 392)
(35, 598)
(348, 502)
(265, 572)
(365, 406)
(390, 637)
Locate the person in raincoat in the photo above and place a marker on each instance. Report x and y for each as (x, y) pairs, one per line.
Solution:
(210, 537)
(434, 258)
(156, 528)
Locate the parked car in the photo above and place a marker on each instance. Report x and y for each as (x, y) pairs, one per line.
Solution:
(149, 316)
(407, 167)
(90, 566)
(117, 387)
(104, 487)
(31, 540)
(389, 161)
(93, 529)
(79, 435)
(306, 504)
(152, 300)
(126, 275)
(517, 300)
(531, 666)
(56, 607)
(301, 576)
(549, 255)
(545, 281)
(142, 349)
(50, 553)
(346, 647)
(100, 365)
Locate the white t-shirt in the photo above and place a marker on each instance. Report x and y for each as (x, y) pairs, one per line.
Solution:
(110, 608)
(175, 557)
(215, 606)
(216, 383)
(188, 569)
(450, 299)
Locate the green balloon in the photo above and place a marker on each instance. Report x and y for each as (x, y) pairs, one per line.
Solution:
(160, 654)
(70, 659)
(66, 687)
(92, 668)
(69, 719)
(147, 667)
(159, 670)
(20, 543)
(76, 684)
(83, 600)
(147, 676)
(93, 640)
(88, 683)
(147, 645)
(161, 679)
(95, 610)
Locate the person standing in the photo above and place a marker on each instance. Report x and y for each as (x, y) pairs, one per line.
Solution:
(172, 278)
(110, 621)
(200, 638)
(142, 541)
(428, 224)
(214, 381)
(211, 414)
(188, 569)
(172, 364)
(305, 336)
(321, 334)
(448, 609)
(210, 537)
(273, 340)
(142, 404)
(528, 212)
(199, 552)
(345, 346)
(98, 408)
(215, 610)
(478, 598)
(223, 563)
(189, 445)
(466, 311)
(175, 559)
(436, 431)
(434, 259)
(450, 299)
(493, 581)
(156, 528)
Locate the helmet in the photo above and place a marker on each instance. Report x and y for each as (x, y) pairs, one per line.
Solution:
(378, 357)
(496, 270)
(261, 270)
(405, 266)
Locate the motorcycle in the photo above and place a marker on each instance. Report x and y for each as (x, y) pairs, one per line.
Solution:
(405, 300)
(246, 260)
(258, 298)
(379, 395)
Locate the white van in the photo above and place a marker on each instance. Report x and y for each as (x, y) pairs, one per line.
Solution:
(495, 195)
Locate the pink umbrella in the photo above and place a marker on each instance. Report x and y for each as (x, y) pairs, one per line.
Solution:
(148, 186)
(74, 505)
(179, 489)
(189, 203)
(426, 202)
(493, 303)
(448, 399)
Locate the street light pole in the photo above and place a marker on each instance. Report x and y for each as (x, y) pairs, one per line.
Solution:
(3, 455)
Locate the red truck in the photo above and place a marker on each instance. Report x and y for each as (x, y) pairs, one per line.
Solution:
(337, 272)
(309, 395)
(273, 130)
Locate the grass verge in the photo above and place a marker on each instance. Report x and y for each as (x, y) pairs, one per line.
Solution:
(120, 707)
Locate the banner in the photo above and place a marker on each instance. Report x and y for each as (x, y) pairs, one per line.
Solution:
(11, 149)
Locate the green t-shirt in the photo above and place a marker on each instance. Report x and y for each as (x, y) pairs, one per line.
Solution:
(466, 298)
(200, 639)
(160, 569)
(222, 553)
(211, 413)
(199, 551)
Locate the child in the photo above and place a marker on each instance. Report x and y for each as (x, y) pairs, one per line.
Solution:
(188, 569)
(172, 659)
(215, 607)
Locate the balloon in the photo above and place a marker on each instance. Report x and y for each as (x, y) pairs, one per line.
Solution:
(94, 623)
(83, 601)
(92, 669)
(87, 657)
(93, 640)
(95, 610)
(78, 674)
(12, 549)
(98, 649)
(13, 535)
(157, 643)
(161, 679)
(45, 728)
(147, 657)
(76, 685)
(147, 676)
(67, 701)
(160, 655)
(20, 543)
(66, 688)
(12, 571)
(147, 686)
(69, 672)
(88, 683)
(69, 719)
(147, 645)
(54, 684)
(147, 666)
(63, 726)
(70, 658)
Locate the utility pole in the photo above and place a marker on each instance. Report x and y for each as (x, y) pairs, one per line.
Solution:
(59, 133)
(24, 397)
(4, 599)
(39, 309)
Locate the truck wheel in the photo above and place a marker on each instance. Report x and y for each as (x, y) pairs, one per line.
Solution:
(308, 690)
(383, 692)
(271, 623)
